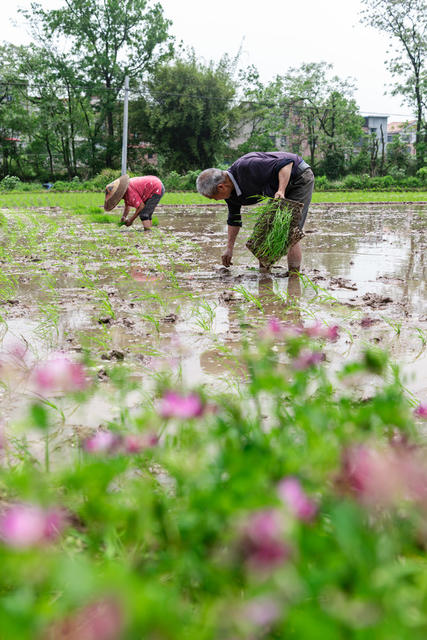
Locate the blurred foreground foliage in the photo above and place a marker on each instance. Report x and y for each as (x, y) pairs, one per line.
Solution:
(296, 508)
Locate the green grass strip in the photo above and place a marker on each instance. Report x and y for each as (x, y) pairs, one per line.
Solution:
(73, 201)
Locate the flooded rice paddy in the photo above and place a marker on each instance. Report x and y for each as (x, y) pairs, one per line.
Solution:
(149, 302)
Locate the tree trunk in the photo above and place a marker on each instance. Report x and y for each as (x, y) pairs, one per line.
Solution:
(50, 157)
(374, 156)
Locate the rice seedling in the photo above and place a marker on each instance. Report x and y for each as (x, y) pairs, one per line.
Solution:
(205, 313)
(321, 294)
(153, 320)
(101, 340)
(422, 336)
(48, 326)
(271, 236)
(249, 297)
(394, 324)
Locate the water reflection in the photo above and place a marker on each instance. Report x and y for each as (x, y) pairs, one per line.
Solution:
(370, 258)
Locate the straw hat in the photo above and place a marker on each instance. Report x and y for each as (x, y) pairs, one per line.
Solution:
(115, 191)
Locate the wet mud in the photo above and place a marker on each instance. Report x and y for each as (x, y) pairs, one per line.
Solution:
(163, 300)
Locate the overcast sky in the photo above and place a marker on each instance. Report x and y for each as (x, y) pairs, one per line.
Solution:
(274, 35)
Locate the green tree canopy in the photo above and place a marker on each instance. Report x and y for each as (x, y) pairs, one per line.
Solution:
(261, 112)
(185, 111)
(324, 114)
(104, 40)
(405, 22)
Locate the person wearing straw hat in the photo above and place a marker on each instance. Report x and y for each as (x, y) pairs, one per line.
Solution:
(143, 194)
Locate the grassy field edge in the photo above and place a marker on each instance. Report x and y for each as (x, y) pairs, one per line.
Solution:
(72, 201)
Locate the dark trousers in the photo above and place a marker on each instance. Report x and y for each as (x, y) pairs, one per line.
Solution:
(301, 190)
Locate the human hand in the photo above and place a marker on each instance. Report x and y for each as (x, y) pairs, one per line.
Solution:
(226, 257)
(128, 222)
(279, 194)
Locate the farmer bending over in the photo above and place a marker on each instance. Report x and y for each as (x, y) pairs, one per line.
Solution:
(255, 175)
(142, 193)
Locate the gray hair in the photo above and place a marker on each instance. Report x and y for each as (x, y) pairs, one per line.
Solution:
(207, 182)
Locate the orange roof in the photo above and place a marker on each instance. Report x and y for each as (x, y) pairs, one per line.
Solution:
(397, 127)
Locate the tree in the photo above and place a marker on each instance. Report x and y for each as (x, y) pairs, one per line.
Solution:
(260, 113)
(323, 115)
(15, 123)
(53, 108)
(185, 112)
(405, 22)
(108, 39)
(398, 158)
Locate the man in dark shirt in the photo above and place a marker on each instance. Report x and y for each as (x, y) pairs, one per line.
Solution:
(277, 174)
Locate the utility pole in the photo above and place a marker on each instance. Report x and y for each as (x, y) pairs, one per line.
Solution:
(125, 127)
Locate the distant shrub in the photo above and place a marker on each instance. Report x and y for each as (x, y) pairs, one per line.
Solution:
(173, 181)
(10, 182)
(422, 175)
(30, 186)
(88, 185)
(188, 181)
(61, 185)
(322, 183)
(411, 182)
(398, 182)
(397, 173)
(388, 181)
(106, 176)
(353, 182)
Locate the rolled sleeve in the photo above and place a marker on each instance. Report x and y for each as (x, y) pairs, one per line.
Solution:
(282, 163)
(234, 216)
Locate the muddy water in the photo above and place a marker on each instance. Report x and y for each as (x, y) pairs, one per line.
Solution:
(163, 299)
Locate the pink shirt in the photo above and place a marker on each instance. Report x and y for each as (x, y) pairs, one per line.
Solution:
(141, 189)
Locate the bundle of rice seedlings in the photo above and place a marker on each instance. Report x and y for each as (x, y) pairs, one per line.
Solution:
(276, 230)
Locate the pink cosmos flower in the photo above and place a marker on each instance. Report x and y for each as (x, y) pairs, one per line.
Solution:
(292, 494)
(367, 472)
(101, 442)
(262, 611)
(421, 411)
(307, 359)
(277, 329)
(59, 373)
(23, 526)
(331, 333)
(320, 330)
(108, 442)
(385, 476)
(261, 540)
(55, 520)
(135, 443)
(100, 620)
(174, 405)
(315, 330)
(274, 327)
(17, 349)
(14, 363)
